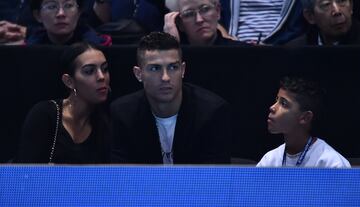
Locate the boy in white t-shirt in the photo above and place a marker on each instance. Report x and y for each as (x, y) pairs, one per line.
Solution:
(297, 106)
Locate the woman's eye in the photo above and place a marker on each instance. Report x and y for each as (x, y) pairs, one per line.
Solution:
(104, 69)
(88, 70)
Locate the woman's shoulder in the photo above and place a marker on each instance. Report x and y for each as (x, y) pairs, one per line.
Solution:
(46, 107)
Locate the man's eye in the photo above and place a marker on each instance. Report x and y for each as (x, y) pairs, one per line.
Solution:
(173, 67)
(325, 4)
(154, 68)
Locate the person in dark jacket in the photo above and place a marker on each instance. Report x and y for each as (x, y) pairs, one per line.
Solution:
(168, 122)
(331, 23)
(62, 24)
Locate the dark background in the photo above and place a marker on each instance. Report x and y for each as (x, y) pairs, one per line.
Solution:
(247, 77)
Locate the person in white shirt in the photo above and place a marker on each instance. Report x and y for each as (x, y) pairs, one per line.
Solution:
(293, 114)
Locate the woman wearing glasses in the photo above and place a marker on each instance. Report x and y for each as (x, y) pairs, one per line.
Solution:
(61, 24)
(196, 22)
(75, 129)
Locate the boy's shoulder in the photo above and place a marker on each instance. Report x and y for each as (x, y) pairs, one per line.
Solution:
(273, 157)
(328, 156)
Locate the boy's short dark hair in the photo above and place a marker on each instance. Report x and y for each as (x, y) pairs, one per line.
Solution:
(309, 94)
(157, 41)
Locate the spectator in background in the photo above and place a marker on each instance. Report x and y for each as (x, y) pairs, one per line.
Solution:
(62, 25)
(196, 22)
(272, 22)
(148, 13)
(15, 18)
(127, 20)
(332, 23)
(297, 107)
(11, 33)
(75, 129)
(168, 122)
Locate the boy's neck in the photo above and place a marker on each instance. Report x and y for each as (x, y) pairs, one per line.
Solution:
(295, 143)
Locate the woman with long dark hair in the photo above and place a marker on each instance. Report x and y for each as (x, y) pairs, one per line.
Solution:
(74, 129)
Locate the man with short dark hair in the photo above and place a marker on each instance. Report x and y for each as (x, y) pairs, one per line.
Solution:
(331, 23)
(168, 122)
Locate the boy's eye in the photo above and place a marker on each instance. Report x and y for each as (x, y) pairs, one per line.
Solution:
(284, 103)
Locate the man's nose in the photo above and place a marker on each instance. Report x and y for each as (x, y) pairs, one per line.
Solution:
(335, 8)
(165, 76)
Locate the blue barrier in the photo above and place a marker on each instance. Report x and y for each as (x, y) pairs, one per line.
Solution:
(37, 185)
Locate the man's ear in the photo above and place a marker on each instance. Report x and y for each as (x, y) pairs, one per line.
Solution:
(68, 81)
(183, 67)
(138, 73)
(36, 14)
(306, 117)
(309, 16)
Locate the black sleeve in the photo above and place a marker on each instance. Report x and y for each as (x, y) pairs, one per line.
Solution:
(217, 137)
(37, 134)
(120, 149)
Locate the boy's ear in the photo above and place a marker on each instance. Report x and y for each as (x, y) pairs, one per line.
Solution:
(306, 117)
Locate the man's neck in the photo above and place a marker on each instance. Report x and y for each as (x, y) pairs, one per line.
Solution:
(167, 109)
(327, 40)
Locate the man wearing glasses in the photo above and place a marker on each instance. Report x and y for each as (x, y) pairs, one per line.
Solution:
(196, 23)
(168, 122)
(61, 25)
(332, 23)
